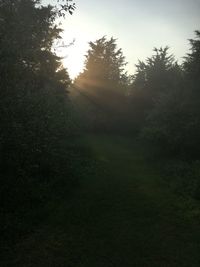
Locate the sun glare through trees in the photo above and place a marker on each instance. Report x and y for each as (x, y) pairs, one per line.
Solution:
(99, 133)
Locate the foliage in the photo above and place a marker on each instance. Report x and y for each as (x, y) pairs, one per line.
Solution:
(36, 121)
(104, 82)
(65, 6)
(155, 77)
(104, 65)
(183, 177)
(192, 60)
(38, 152)
(173, 123)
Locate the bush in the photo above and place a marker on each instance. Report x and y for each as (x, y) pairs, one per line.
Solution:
(184, 177)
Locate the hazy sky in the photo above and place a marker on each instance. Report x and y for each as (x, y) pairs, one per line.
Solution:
(138, 26)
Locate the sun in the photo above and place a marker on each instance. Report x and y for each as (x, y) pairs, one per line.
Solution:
(78, 29)
(73, 61)
(73, 56)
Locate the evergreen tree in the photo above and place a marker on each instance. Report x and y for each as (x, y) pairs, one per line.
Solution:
(157, 76)
(104, 82)
(35, 118)
(192, 60)
(104, 65)
(173, 123)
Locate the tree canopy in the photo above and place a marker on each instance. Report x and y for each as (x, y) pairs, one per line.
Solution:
(35, 113)
(173, 122)
(104, 64)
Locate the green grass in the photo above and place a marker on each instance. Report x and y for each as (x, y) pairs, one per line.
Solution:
(122, 214)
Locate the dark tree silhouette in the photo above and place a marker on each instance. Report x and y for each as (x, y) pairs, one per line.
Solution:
(173, 122)
(104, 65)
(104, 80)
(35, 113)
(155, 77)
(192, 60)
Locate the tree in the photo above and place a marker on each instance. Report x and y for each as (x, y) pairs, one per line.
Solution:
(35, 111)
(104, 80)
(191, 68)
(192, 60)
(155, 77)
(104, 65)
(158, 74)
(173, 123)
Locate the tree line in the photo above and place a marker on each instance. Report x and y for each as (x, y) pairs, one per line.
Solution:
(160, 102)
(39, 155)
(158, 106)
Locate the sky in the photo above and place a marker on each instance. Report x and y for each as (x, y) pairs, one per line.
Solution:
(138, 26)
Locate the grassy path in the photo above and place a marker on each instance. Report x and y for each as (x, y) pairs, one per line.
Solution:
(121, 216)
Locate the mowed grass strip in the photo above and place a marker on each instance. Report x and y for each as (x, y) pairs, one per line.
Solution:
(121, 214)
